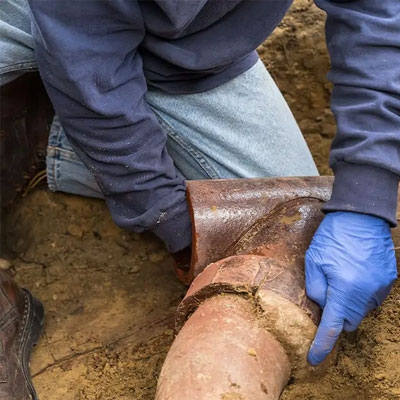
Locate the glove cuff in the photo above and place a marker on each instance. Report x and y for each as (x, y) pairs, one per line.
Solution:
(364, 189)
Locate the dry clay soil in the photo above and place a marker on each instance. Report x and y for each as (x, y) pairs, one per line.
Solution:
(110, 295)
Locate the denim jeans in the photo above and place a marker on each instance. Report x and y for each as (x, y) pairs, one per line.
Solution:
(241, 129)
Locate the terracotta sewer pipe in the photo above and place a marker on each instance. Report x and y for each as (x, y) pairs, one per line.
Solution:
(246, 324)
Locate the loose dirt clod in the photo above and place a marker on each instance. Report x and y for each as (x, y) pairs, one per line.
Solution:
(252, 352)
(158, 256)
(75, 230)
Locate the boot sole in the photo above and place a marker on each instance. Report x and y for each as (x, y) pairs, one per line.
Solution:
(31, 330)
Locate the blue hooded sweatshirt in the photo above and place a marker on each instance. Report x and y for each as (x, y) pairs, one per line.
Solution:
(97, 58)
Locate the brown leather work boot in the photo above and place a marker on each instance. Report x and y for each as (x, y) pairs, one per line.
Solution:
(21, 323)
(25, 118)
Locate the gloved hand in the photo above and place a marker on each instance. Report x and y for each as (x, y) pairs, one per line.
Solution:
(350, 269)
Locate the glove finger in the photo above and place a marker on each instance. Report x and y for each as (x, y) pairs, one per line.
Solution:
(329, 329)
(316, 284)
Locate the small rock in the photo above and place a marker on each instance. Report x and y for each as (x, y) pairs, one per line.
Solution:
(4, 264)
(121, 243)
(142, 257)
(380, 377)
(54, 297)
(75, 231)
(135, 269)
(158, 256)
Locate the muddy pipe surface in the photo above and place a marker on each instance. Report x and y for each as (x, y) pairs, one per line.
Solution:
(224, 211)
(222, 353)
(227, 211)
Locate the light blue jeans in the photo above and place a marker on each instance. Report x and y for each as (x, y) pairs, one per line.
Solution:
(241, 129)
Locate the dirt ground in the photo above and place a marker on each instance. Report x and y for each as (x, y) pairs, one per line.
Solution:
(110, 295)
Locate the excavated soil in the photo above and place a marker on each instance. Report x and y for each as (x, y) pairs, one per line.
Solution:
(110, 296)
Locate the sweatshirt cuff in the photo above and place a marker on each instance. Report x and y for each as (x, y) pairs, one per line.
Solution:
(176, 232)
(364, 189)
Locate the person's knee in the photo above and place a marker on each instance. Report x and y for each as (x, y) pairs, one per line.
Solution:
(16, 41)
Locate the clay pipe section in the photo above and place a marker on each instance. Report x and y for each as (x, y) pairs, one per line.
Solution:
(245, 326)
(262, 268)
(222, 353)
(257, 299)
(223, 211)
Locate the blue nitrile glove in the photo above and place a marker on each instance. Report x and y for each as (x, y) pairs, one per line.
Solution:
(350, 269)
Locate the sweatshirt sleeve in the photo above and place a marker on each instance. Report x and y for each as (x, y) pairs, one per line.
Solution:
(363, 38)
(88, 60)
